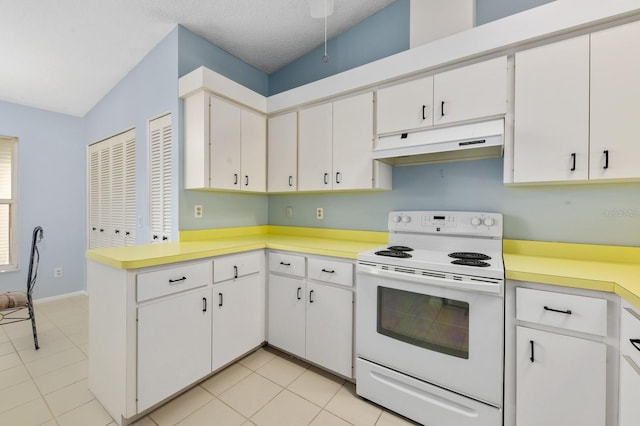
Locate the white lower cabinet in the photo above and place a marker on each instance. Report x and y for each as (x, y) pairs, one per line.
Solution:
(561, 380)
(629, 408)
(238, 318)
(174, 344)
(310, 319)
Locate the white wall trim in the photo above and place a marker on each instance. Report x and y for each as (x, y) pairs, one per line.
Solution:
(60, 297)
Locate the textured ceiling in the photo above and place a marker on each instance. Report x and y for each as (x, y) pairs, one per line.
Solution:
(65, 55)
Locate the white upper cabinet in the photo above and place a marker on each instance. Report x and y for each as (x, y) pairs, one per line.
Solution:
(315, 146)
(283, 153)
(615, 103)
(552, 112)
(405, 106)
(474, 91)
(225, 145)
(466, 93)
(335, 147)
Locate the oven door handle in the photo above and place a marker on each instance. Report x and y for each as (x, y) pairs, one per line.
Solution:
(476, 286)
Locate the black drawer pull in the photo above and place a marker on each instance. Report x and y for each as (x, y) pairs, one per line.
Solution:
(337, 177)
(177, 280)
(326, 179)
(298, 293)
(568, 311)
(246, 180)
(235, 178)
(290, 180)
(442, 108)
(329, 271)
(235, 271)
(635, 343)
(424, 107)
(606, 159)
(532, 358)
(311, 296)
(285, 263)
(204, 304)
(220, 299)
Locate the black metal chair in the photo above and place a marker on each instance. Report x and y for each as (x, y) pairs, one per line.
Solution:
(13, 303)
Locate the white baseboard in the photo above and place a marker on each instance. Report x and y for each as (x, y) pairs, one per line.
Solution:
(61, 297)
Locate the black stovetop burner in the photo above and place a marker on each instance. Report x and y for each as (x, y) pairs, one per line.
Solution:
(393, 253)
(400, 248)
(469, 255)
(471, 262)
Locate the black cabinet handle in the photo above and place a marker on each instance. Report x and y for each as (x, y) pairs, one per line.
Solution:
(568, 311)
(326, 178)
(155, 237)
(329, 271)
(117, 231)
(220, 299)
(311, 296)
(127, 233)
(337, 177)
(235, 178)
(442, 108)
(290, 180)
(606, 159)
(204, 304)
(177, 280)
(573, 161)
(94, 228)
(285, 263)
(101, 230)
(635, 343)
(235, 271)
(298, 293)
(246, 180)
(424, 107)
(165, 238)
(532, 358)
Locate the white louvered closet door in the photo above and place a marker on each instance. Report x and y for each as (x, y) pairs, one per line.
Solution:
(112, 191)
(94, 197)
(160, 178)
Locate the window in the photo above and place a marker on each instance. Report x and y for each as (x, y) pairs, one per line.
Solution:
(8, 205)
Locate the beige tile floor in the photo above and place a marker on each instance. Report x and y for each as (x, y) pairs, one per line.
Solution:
(49, 386)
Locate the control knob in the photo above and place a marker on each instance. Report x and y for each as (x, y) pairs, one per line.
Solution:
(488, 221)
(475, 221)
(396, 219)
(406, 219)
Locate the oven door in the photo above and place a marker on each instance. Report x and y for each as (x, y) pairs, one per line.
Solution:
(426, 328)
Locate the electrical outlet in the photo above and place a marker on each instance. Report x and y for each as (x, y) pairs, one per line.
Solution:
(197, 211)
(319, 213)
(289, 211)
(57, 272)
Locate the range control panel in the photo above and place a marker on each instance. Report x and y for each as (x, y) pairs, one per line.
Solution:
(447, 222)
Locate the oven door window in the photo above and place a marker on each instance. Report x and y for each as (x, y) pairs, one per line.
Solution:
(430, 322)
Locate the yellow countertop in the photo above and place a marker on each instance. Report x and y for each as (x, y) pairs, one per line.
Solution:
(202, 244)
(613, 269)
(592, 267)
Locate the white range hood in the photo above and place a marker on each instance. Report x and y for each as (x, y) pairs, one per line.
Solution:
(460, 142)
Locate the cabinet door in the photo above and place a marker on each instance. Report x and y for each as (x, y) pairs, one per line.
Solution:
(238, 318)
(474, 91)
(329, 327)
(283, 153)
(405, 106)
(353, 142)
(315, 148)
(564, 384)
(629, 392)
(253, 152)
(94, 197)
(615, 103)
(174, 345)
(224, 154)
(286, 314)
(551, 139)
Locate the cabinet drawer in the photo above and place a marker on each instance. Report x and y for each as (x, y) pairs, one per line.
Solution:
(227, 268)
(172, 280)
(331, 271)
(630, 330)
(287, 264)
(568, 311)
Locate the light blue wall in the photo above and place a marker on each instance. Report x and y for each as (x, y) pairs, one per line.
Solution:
(149, 90)
(51, 193)
(380, 35)
(491, 10)
(597, 214)
(196, 52)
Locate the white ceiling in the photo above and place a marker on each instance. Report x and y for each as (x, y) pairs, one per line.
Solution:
(65, 55)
